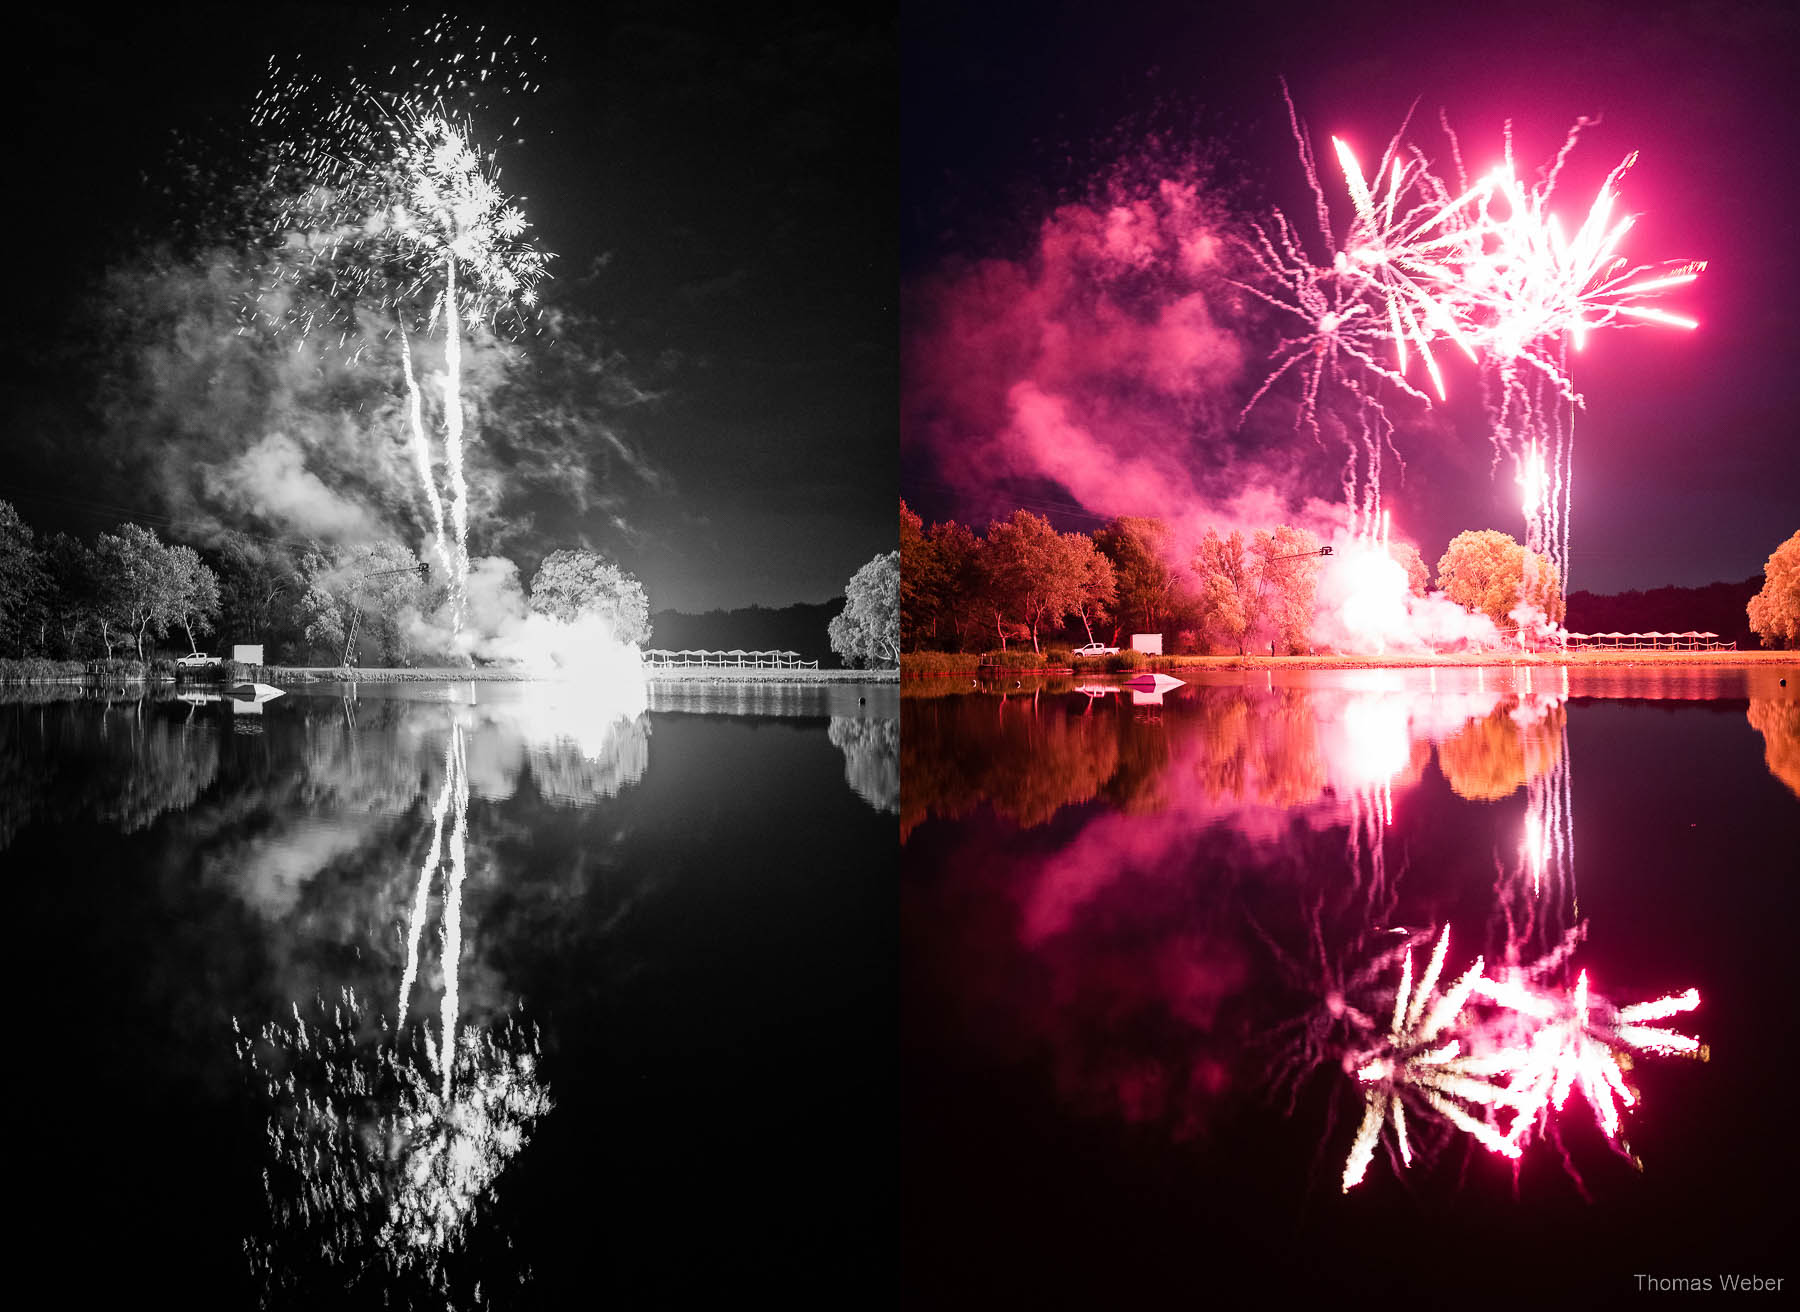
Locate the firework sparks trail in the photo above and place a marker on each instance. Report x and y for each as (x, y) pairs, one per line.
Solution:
(1485, 266)
(433, 856)
(451, 930)
(391, 206)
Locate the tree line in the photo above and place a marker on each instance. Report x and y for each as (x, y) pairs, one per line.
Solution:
(126, 592)
(1024, 581)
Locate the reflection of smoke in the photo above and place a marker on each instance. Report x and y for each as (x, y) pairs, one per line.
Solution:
(871, 751)
(377, 1173)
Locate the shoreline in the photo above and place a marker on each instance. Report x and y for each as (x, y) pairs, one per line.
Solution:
(1660, 659)
(300, 675)
(1490, 660)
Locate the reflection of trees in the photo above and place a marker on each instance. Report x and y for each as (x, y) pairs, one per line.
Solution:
(576, 771)
(871, 751)
(378, 1173)
(1025, 760)
(122, 764)
(1492, 757)
(1262, 749)
(1779, 724)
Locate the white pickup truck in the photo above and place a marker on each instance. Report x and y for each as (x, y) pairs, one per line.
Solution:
(199, 661)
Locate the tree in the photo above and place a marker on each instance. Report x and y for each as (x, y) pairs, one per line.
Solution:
(24, 584)
(576, 585)
(344, 585)
(1288, 563)
(1418, 578)
(1775, 611)
(1138, 549)
(1267, 584)
(258, 589)
(1487, 571)
(867, 631)
(1030, 573)
(73, 610)
(199, 593)
(961, 604)
(1096, 587)
(145, 585)
(921, 580)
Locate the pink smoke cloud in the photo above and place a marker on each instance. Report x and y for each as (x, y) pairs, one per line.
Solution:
(1111, 360)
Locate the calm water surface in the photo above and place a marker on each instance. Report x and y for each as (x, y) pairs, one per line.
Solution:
(1152, 949)
(454, 995)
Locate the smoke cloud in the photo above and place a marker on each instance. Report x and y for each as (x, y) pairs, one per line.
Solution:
(233, 425)
(1111, 361)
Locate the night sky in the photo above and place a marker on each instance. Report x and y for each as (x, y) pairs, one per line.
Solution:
(717, 187)
(1686, 465)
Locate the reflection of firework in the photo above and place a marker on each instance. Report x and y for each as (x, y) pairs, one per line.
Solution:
(1512, 1043)
(375, 1172)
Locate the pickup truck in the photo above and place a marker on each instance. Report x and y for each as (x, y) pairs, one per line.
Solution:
(1096, 649)
(199, 661)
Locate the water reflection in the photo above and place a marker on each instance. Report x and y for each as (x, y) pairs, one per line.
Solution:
(449, 867)
(121, 764)
(1778, 721)
(1220, 749)
(388, 1140)
(871, 751)
(377, 1171)
(1359, 889)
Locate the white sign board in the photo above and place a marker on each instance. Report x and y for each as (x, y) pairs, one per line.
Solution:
(1149, 643)
(248, 655)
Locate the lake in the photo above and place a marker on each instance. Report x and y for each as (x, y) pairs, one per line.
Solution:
(1192, 1008)
(456, 994)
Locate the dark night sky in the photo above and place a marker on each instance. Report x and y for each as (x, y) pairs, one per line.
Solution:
(717, 186)
(1687, 467)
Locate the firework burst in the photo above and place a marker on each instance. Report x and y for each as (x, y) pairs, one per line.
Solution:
(1485, 266)
(394, 224)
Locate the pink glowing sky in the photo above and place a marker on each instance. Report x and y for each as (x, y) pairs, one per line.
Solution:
(1068, 192)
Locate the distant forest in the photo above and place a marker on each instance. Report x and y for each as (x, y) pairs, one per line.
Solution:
(1717, 607)
(801, 627)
